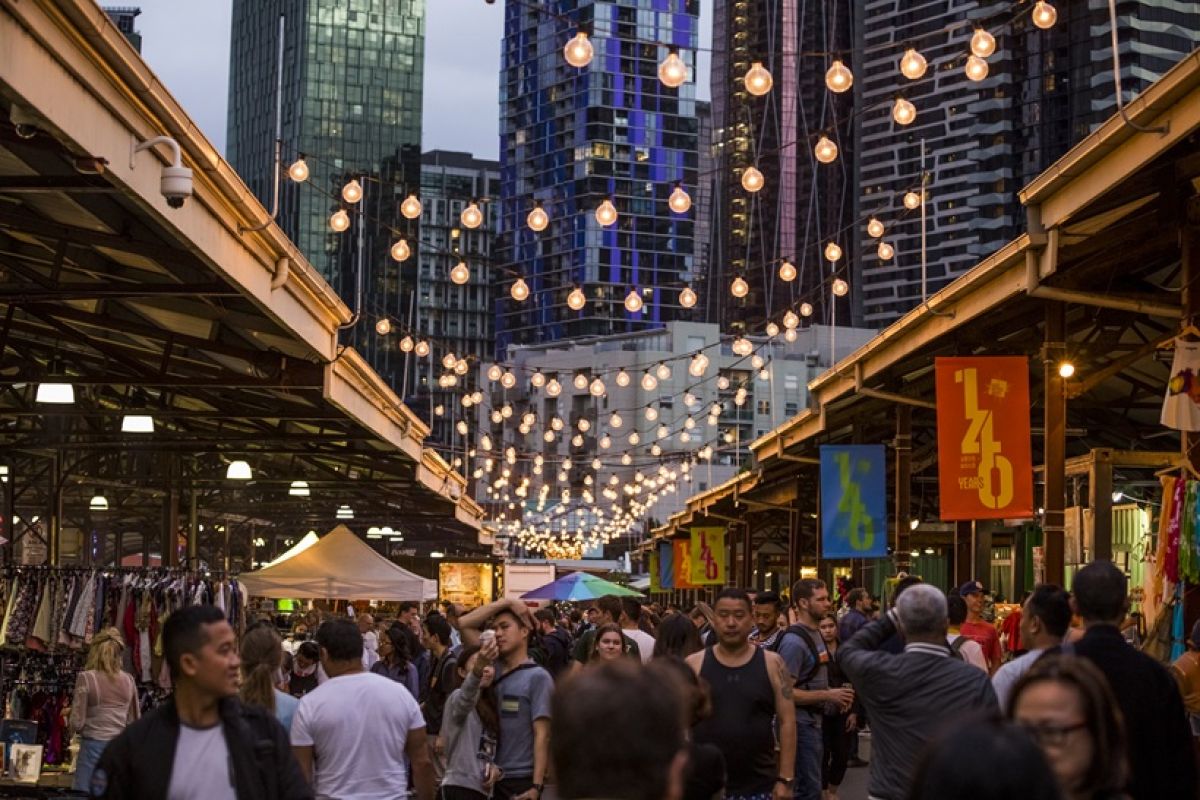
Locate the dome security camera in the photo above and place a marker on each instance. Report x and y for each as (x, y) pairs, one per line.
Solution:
(176, 181)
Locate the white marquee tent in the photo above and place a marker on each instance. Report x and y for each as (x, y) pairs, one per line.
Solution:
(339, 567)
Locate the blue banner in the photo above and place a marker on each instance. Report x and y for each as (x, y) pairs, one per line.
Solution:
(853, 501)
(666, 565)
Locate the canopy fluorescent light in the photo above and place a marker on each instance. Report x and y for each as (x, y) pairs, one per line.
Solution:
(345, 512)
(99, 503)
(137, 423)
(56, 394)
(238, 471)
(299, 489)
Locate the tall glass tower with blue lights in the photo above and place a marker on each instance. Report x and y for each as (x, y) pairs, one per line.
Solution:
(571, 137)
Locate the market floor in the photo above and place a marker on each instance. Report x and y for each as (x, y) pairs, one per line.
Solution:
(855, 786)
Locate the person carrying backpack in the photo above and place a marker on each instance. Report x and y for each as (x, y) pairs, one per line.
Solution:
(555, 643)
(962, 647)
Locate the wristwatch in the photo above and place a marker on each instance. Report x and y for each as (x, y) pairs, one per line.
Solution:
(784, 781)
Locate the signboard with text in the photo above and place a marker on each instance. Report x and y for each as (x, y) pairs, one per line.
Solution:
(853, 501)
(708, 556)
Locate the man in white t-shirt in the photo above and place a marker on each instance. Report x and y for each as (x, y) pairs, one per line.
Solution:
(1045, 618)
(366, 626)
(351, 734)
(631, 612)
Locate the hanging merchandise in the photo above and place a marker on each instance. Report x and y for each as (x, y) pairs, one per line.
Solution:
(1171, 550)
(1181, 407)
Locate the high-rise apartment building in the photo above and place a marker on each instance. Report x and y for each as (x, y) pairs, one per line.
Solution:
(572, 137)
(802, 204)
(351, 93)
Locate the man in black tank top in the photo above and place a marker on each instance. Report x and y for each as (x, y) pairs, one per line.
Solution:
(751, 688)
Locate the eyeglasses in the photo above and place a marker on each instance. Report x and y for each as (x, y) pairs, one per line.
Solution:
(1048, 735)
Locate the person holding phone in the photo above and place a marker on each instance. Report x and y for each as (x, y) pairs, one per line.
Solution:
(471, 725)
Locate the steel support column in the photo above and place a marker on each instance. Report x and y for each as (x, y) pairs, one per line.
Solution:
(1100, 486)
(902, 475)
(1055, 441)
(193, 532)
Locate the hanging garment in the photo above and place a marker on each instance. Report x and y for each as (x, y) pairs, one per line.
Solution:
(1181, 407)
(1171, 558)
(41, 624)
(21, 616)
(62, 610)
(83, 609)
(13, 591)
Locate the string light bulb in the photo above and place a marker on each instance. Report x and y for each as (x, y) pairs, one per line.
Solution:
(790, 335)
(406, 344)
(339, 220)
(672, 71)
(806, 309)
(580, 381)
(912, 201)
(758, 79)
(460, 274)
(508, 380)
(679, 201)
(538, 219)
(553, 388)
(912, 64)
(606, 213)
(903, 112)
(787, 271)
(494, 372)
(698, 365)
(622, 378)
(772, 328)
(752, 179)
(741, 346)
(352, 192)
(838, 78)
(739, 287)
(400, 251)
(422, 348)
(651, 413)
(633, 301)
(411, 207)
(833, 251)
(538, 380)
(384, 326)
(1044, 14)
(874, 228)
(597, 388)
(790, 320)
(298, 171)
(886, 251)
(615, 420)
(983, 44)
(976, 68)
(649, 382)
(663, 372)
(471, 217)
(576, 299)
(825, 151)
(840, 287)
(578, 51)
(687, 297)
(519, 290)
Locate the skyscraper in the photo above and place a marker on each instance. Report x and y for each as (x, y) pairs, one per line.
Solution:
(351, 100)
(571, 138)
(124, 18)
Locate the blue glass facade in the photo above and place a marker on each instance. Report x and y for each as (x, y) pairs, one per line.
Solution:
(571, 137)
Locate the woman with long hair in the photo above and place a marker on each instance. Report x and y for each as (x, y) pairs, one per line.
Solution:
(676, 636)
(105, 701)
(471, 726)
(837, 727)
(262, 674)
(1066, 705)
(395, 659)
(609, 644)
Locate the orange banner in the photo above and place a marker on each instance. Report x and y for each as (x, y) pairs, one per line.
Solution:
(985, 464)
(683, 563)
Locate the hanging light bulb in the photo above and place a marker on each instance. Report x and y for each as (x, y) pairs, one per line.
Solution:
(576, 299)
(538, 380)
(494, 373)
(538, 219)
(874, 228)
(580, 381)
(752, 179)
(772, 328)
(384, 326)
(903, 112)
(757, 361)
(840, 287)
(741, 346)
(687, 298)
(649, 382)
(339, 220)
(406, 344)
(1044, 14)
(723, 383)
(508, 380)
(806, 309)
(672, 71)
(838, 77)
(400, 251)
(787, 271)
(519, 290)
(605, 443)
(651, 413)
(615, 420)
(983, 44)
(633, 301)
(790, 335)
(977, 68)
(634, 437)
(421, 348)
(679, 201)
(298, 171)
(460, 274)
(663, 372)
(758, 79)
(352, 192)
(833, 251)
(912, 64)
(597, 388)
(578, 52)
(698, 365)
(826, 151)
(790, 320)
(622, 378)
(584, 424)
(553, 388)
(411, 207)
(912, 201)
(606, 213)
(739, 287)
(886, 251)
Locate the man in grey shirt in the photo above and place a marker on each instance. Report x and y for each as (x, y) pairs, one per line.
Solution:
(911, 697)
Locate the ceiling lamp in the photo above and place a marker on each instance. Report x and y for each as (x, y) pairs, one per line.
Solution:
(471, 217)
(299, 489)
(752, 179)
(339, 221)
(578, 51)
(352, 192)
(790, 320)
(977, 68)
(874, 227)
(411, 207)
(519, 290)
(672, 71)
(739, 287)
(622, 378)
(597, 388)
(983, 44)
(912, 64)
(1044, 14)
(833, 251)
(383, 326)
(838, 77)
(912, 201)
(679, 201)
(298, 171)
(840, 287)
(137, 423)
(649, 382)
(787, 271)
(606, 213)
(576, 299)
(687, 297)
(886, 251)
(903, 112)
(460, 274)
(806, 309)
(633, 301)
(98, 502)
(238, 471)
(758, 79)
(400, 251)
(537, 219)
(825, 151)
(345, 512)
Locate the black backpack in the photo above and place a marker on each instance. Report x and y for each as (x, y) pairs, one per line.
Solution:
(798, 630)
(957, 645)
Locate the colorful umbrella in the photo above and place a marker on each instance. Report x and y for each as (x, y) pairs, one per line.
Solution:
(578, 586)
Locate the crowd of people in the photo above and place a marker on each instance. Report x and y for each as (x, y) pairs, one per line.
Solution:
(755, 697)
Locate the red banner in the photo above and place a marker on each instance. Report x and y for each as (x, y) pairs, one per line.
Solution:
(683, 563)
(985, 463)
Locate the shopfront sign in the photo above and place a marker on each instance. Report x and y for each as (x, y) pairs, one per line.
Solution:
(985, 466)
(708, 556)
(853, 501)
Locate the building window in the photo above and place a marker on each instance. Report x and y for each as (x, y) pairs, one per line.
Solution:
(764, 407)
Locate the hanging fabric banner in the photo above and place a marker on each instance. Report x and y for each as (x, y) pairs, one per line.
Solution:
(666, 565)
(683, 564)
(853, 501)
(708, 557)
(655, 577)
(985, 465)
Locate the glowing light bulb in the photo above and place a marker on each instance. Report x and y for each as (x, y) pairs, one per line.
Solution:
(886, 251)
(826, 151)
(903, 112)
(606, 213)
(508, 380)
(411, 207)
(723, 383)
(352, 192)
(605, 443)
(553, 388)
(977, 68)
(772, 328)
(752, 179)
(698, 365)
(787, 271)
(912, 201)
(741, 346)
(400, 251)
(634, 437)
(538, 219)
(406, 344)
(615, 420)
(739, 287)
(840, 287)
(538, 380)
(622, 378)
(576, 299)
(912, 64)
(494, 372)
(679, 201)
(471, 216)
(460, 274)
(578, 52)
(651, 413)
(687, 298)
(597, 388)
(384, 326)
(983, 44)
(757, 361)
(806, 309)
(790, 320)
(519, 290)
(649, 382)
(1044, 15)
(833, 251)
(758, 79)
(298, 171)
(1066, 369)
(663, 372)
(790, 334)
(838, 78)
(339, 221)
(672, 71)
(580, 381)
(422, 348)
(874, 228)
(633, 301)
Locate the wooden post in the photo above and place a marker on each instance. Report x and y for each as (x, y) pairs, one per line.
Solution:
(1055, 441)
(747, 555)
(962, 551)
(903, 486)
(1100, 486)
(193, 532)
(982, 567)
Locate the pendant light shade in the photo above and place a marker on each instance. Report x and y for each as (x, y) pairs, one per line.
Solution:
(238, 471)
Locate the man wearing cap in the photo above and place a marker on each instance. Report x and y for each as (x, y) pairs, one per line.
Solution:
(976, 627)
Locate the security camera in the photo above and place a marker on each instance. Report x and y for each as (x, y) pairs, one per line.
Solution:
(176, 181)
(24, 123)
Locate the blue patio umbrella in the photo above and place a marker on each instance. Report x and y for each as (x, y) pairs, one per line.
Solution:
(578, 586)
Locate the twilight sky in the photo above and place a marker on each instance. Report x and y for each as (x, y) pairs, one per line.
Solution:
(186, 42)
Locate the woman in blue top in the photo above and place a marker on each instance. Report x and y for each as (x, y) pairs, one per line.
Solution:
(395, 661)
(262, 674)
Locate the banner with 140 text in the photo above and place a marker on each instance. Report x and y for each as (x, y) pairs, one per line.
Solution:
(708, 556)
(853, 501)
